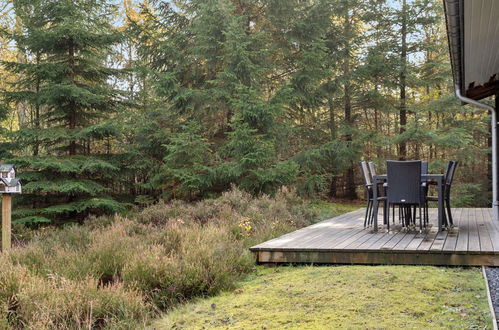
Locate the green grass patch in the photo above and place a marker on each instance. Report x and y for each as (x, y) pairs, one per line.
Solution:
(344, 297)
(325, 209)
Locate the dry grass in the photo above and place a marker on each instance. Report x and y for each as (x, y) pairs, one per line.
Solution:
(344, 297)
(118, 272)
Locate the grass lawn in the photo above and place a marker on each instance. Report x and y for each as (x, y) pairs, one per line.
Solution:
(369, 297)
(325, 209)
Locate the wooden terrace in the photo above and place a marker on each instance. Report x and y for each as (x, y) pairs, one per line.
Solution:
(473, 241)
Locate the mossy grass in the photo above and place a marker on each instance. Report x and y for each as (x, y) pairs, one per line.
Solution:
(343, 297)
(325, 209)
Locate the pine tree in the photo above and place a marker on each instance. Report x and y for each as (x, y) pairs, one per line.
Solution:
(409, 18)
(290, 91)
(66, 85)
(378, 71)
(187, 163)
(255, 118)
(213, 75)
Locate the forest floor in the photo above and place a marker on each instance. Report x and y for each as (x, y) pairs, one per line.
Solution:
(369, 297)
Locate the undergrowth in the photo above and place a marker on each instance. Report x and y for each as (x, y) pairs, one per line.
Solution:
(120, 272)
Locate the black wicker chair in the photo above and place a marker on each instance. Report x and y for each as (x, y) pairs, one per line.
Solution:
(404, 189)
(369, 186)
(448, 179)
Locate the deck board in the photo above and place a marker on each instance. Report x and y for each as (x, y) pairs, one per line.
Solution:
(452, 236)
(493, 231)
(483, 232)
(359, 241)
(416, 242)
(408, 238)
(474, 240)
(373, 239)
(474, 237)
(311, 233)
(396, 238)
(462, 239)
(324, 236)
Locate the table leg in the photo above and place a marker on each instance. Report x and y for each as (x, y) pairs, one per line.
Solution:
(440, 204)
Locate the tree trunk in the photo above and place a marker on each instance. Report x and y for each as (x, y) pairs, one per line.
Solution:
(71, 108)
(403, 82)
(36, 147)
(347, 103)
(333, 187)
(22, 107)
(349, 175)
(376, 126)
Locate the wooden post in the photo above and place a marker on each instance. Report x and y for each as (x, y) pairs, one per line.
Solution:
(6, 221)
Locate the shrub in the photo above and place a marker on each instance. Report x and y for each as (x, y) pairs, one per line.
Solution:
(119, 272)
(54, 302)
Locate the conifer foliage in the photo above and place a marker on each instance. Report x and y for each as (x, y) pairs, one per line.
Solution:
(141, 100)
(64, 82)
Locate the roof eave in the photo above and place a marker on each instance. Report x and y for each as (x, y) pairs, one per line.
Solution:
(454, 18)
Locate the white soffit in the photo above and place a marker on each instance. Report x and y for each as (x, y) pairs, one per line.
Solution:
(481, 41)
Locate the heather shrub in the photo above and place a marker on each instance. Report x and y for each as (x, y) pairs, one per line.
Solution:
(54, 302)
(204, 263)
(161, 212)
(119, 273)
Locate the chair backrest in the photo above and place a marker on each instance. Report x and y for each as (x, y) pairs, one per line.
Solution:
(404, 182)
(365, 173)
(447, 170)
(424, 170)
(372, 168)
(451, 170)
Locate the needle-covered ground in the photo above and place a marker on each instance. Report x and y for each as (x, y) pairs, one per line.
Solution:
(367, 297)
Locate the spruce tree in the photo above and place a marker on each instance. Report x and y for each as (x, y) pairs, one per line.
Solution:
(213, 74)
(66, 151)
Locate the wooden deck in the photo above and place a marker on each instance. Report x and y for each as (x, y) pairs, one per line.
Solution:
(343, 240)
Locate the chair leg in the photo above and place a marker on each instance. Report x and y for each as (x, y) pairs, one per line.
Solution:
(393, 214)
(367, 212)
(420, 220)
(386, 214)
(427, 213)
(447, 205)
(404, 215)
(369, 217)
(414, 215)
(409, 215)
(427, 216)
(446, 221)
(411, 220)
(374, 211)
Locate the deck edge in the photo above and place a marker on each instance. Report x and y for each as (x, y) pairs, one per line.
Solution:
(378, 258)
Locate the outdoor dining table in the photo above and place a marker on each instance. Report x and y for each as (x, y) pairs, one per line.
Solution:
(439, 178)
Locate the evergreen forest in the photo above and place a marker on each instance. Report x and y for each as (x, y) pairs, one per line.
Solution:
(110, 104)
